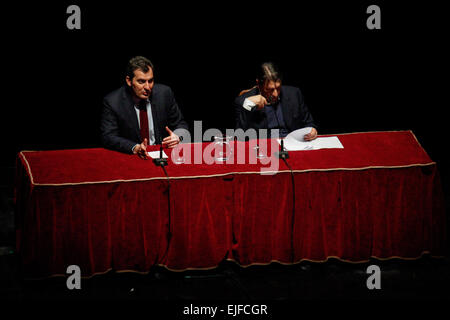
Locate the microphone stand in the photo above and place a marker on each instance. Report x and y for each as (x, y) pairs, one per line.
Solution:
(161, 161)
(282, 154)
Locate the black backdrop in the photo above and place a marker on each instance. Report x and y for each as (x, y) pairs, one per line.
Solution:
(353, 79)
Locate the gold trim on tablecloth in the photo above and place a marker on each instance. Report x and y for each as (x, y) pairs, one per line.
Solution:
(240, 172)
(247, 265)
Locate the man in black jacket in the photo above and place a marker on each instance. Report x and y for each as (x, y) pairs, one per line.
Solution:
(270, 105)
(140, 112)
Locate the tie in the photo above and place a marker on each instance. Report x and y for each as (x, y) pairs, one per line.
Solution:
(143, 119)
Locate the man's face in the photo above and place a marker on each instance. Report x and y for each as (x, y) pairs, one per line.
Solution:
(271, 91)
(142, 83)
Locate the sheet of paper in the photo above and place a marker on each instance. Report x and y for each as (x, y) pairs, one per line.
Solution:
(295, 141)
(327, 143)
(291, 144)
(155, 154)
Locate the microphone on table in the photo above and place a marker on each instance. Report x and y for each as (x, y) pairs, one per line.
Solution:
(161, 161)
(282, 154)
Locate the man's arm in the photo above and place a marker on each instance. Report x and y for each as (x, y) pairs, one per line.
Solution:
(244, 105)
(175, 117)
(175, 121)
(109, 128)
(240, 114)
(305, 115)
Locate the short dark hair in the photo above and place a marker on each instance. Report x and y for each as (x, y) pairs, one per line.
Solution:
(138, 62)
(268, 71)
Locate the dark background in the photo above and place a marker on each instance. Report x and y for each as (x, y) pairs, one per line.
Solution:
(353, 80)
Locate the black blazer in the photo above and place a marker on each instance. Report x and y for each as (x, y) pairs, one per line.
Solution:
(119, 124)
(295, 112)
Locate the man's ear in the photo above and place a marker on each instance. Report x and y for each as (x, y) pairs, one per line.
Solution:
(128, 80)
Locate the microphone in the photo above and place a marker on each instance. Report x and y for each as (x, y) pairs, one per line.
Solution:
(161, 161)
(282, 154)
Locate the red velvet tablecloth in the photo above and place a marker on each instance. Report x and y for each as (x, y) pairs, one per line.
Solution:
(380, 196)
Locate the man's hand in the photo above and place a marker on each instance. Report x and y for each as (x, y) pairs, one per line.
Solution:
(311, 136)
(172, 140)
(141, 150)
(259, 101)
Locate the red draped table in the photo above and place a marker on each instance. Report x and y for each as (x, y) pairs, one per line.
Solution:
(378, 197)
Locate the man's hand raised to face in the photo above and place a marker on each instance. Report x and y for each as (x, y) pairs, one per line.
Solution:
(258, 100)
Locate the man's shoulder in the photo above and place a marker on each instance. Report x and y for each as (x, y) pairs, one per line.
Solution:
(162, 89)
(162, 92)
(289, 89)
(291, 92)
(116, 94)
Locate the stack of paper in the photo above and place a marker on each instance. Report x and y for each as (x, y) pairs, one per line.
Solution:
(295, 141)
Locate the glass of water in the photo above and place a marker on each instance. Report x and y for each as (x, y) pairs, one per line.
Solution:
(222, 148)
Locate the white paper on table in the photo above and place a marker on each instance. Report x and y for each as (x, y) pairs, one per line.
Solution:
(327, 143)
(295, 141)
(155, 154)
(295, 145)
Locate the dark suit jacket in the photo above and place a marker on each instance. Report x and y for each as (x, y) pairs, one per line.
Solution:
(119, 124)
(295, 112)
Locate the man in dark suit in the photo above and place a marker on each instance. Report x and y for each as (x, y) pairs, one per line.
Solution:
(140, 112)
(270, 105)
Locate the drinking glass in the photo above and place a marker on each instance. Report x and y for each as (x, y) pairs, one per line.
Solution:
(222, 148)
